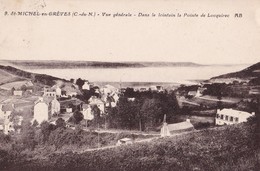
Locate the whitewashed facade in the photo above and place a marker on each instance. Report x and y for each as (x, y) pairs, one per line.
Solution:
(231, 116)
(41, 111)
(55, 106)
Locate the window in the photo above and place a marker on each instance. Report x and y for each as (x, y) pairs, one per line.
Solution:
(226, 118)
(217, 116)
(236, 119)
(231, 119)
(221, 116)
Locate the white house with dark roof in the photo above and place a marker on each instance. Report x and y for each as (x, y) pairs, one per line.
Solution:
(231, 116)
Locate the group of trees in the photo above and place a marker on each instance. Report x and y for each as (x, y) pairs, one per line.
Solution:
(47, 134)
(142, 110)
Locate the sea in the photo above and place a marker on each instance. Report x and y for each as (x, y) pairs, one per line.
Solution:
(181, 75)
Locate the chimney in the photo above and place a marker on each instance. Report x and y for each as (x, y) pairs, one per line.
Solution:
(253, 113)
(187, 120)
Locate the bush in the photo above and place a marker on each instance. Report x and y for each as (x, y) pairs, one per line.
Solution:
(202, 125)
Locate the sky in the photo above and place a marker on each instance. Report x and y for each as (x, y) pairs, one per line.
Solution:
(202, 40)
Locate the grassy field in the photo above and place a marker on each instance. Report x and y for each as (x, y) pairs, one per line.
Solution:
(224, 148)
(15, 84)
(6, 77)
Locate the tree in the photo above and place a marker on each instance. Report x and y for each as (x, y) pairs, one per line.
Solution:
(28, 135)
(80, 83)
(96, 111)
(152, 112)
(46, 129)
(23, 88)
(78, 116)
(35, 123)
(72, 80)
(60, 123)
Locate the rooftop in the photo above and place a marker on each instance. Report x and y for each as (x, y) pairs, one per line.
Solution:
(180, 126)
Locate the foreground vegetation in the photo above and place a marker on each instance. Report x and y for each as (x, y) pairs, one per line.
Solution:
(233, 147)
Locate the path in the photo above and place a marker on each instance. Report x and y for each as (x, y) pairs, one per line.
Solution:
(138, 141)
(192, 103)
(216, 100)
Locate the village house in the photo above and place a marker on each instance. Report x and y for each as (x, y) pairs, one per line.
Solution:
(57, 89)
(29, 84)
(55, 106)
(6, 110)
(168, 129)
(86, 86)
(87, 112)
(143, 89)
(200, 91)
(115, 97)
(122, 90)
(69, 109)
(156, 88)
(192, 93)
(5, 114)
(96, 89)
(96, 101)
(17, 92)
(108, 89)
(49, 92)
(41, 111)
(70, 105)
(6, 124)
(109, 101)
(231, 116)
(131, 99)
(254, 91)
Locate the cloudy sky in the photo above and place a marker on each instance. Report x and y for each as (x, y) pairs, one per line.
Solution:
(202, 40)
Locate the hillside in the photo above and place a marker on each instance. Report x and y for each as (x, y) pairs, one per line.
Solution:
(250, 72)
(11, 74)
(225, 148)
(54, 64)
(6, 77)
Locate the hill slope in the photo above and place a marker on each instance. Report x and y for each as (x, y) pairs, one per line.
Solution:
(6, 77)
(225, 148)
(250, 72)
(9, 74)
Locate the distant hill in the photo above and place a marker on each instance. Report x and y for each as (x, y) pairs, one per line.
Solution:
(53, 64)
(9, 74)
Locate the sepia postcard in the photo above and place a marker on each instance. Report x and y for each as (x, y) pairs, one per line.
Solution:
(111, 85)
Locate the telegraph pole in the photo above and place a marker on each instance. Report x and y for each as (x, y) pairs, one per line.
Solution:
(98, 136)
